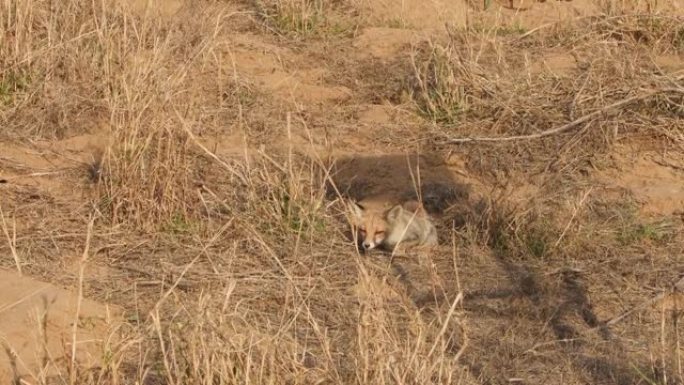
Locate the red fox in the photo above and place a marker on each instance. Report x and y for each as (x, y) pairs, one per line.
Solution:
(406, 223)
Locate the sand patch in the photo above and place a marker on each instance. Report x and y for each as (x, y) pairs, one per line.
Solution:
(265, 68)
(163, 8)
(386, 43)
(36, 326)
(426, 15)
(375, 114)
(556, 64)
(654, 180)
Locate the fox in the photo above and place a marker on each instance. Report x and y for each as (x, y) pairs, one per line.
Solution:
(407, 223)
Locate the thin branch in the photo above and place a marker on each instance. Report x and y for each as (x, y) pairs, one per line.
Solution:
(81, 274)
(207, 151)
(677, 287)
(11, 239)
(557, 130)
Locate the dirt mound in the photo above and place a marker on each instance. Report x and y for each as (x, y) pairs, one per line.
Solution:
(262, 64)
(416, 14)
(45, 164)
(36, 329)
(655, 181)
(164, 8)
(386, 43)
(531, 14)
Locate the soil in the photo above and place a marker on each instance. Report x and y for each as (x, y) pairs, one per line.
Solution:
(37, 323)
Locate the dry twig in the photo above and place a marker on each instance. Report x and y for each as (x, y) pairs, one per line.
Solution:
(677, 287)
(557, 130)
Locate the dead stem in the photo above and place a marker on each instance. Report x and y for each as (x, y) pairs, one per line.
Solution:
(603, 112)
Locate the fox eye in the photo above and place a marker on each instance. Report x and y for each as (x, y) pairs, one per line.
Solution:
(362, 231)
(380, 232)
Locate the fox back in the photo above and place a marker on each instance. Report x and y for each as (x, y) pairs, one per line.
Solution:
(410, 225)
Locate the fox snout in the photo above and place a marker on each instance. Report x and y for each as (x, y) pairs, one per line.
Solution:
(367, 245)
(370, 241)
(365, 242)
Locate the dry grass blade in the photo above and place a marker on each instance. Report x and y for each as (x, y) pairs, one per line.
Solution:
(220, 161)
(443, 330)
(81, 274)
(11, 239)
(192, 263)
(677, 288)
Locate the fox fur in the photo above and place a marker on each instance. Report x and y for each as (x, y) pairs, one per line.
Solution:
(407, 224)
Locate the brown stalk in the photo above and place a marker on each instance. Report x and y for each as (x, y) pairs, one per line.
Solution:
(568, 126)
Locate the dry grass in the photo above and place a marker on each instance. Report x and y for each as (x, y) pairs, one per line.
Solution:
(470, 86)
(238, 270)
(306, 18)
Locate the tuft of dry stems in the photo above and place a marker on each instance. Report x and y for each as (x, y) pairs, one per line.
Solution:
(151, 166)
(293, 16)
(95, 67)
(440, 92)
(305, 17)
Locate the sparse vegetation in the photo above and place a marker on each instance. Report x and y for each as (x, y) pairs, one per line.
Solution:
(189, 152)
(304, 17)
(650, 232)
(11, 84)
(298, 16)
(441, 93)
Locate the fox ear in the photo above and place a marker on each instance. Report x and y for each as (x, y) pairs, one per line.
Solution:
(394, 213)
(357, 209)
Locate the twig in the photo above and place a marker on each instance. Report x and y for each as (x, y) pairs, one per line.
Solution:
(207, 151)
(187, 267)
(574, 214)
(11, 240)
(580, 18)
(81, 272)
(636, 308)
(574, 123)
(678, 287)
(445, 326)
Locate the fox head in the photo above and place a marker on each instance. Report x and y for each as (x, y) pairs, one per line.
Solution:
(370, 227)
